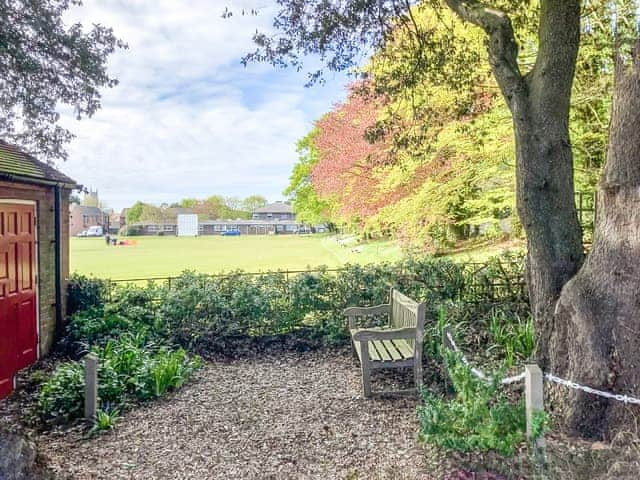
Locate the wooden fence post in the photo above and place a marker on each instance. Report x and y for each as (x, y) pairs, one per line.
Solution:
(534, 399)
(90, 387)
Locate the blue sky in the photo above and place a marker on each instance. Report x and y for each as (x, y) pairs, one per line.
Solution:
(187, 119)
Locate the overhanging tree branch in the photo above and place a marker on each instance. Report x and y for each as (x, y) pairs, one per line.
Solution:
(503, 49)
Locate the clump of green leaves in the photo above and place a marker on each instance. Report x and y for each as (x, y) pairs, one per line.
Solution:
(105, 420)
(480, 416)
(131, 370)
(514, 335)
(540, 424)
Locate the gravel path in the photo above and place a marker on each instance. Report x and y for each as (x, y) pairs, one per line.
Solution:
(295, 415)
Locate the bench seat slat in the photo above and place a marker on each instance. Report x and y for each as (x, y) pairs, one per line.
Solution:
(404, 348)
(373, 354)
(393, 351)
(383, 354)
(386, 350)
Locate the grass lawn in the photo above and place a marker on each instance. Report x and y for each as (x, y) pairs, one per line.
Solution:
(167, 256)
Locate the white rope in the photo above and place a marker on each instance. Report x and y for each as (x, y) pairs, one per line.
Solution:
(600, 393)
(514, 379)
(549, 376)
(479, 373)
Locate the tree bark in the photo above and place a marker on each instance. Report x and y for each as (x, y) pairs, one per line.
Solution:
(597, 336)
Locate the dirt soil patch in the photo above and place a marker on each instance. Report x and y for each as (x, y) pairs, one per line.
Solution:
(291, 415)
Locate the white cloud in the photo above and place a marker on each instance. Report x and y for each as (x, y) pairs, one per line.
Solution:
(187, 120)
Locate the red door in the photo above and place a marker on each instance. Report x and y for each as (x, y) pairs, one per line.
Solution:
(18, 318)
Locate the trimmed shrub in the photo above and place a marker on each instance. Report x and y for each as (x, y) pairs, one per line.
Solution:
(85, 292)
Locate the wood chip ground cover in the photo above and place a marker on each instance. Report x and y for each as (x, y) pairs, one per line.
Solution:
(294, 415)
(291, 415)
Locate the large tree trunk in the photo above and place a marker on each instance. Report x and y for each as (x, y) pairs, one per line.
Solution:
(596, 340)
(539, 102)
(544, 165)
(546, 206)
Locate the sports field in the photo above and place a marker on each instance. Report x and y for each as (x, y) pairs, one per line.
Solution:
(166, 256)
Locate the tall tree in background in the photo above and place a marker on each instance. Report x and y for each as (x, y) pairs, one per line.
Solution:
(44, 63)
(539, 101)
(309, 207)
(253, 202)
(212, 207)
(188, 203)
(134, 213)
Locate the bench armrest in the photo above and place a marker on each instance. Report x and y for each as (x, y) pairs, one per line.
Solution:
(385, 308)
(365, 335)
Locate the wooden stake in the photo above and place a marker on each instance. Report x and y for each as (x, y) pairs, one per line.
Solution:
(90, 387)
(534, 398)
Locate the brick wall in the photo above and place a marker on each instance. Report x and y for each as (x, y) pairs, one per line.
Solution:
(45, 201)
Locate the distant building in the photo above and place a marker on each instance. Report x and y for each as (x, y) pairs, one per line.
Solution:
(274, 211)
(248, 227)
(82, 217)
(114, 223)
(152, 228)
(273, 219)
(217, 227)
(123, 217)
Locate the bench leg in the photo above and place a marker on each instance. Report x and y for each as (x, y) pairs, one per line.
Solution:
(366, 369)
(417, 373)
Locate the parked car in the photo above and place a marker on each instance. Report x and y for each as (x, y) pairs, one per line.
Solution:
(230, 233)
(82, 234)
(95, 231)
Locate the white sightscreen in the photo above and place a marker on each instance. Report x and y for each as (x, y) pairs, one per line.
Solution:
(187, 225)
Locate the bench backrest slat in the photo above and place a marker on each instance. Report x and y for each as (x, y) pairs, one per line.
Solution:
(407, 313)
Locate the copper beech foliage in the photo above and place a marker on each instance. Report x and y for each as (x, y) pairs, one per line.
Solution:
(348, 163)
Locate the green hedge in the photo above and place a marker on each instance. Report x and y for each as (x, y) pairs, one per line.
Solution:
(196, 309)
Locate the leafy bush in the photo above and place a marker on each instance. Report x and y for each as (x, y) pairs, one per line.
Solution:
(139, 303)
(479, 417)
(197, 311)
(85, 292)
(128, 309)
(94, 326)
(61, 397)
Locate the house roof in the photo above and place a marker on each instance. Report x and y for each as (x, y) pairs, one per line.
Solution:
(277, 207)
(18, 165)
(85, 210)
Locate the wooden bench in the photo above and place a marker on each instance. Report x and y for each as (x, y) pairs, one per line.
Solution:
(397, 345)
